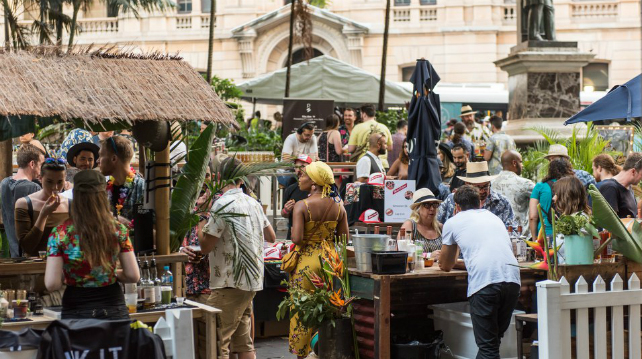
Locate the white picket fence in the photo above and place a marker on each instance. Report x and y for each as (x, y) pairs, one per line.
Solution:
(555, 304)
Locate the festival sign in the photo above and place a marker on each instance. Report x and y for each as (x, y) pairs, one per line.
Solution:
(397, 200)
(296, 112)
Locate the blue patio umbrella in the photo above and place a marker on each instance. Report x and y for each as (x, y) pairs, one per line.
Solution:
(424, 128)
(621, 102)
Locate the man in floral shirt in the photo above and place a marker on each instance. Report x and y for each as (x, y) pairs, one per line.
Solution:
(477, 175)
(515, 188)
(235, 246)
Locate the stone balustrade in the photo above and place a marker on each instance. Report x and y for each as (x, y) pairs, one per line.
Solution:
(99, 25)
(594, 10)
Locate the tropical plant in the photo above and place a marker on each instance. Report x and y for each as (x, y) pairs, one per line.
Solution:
(330, 299)
(184, 215)
(582, 147)
(578, 223)
(391, 117)
(225, 88)
(256, 139)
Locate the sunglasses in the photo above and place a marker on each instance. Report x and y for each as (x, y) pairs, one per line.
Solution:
(429, 205)
(57, 161)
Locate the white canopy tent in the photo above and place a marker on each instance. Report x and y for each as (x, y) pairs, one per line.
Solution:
(324, 77)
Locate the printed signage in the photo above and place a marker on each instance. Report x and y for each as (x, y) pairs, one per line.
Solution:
(397, 200)
(296, 112)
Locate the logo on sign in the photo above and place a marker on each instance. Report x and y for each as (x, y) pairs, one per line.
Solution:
(400, 188)
(308, 107)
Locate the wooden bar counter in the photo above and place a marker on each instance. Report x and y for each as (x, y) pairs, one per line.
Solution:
(387, 300)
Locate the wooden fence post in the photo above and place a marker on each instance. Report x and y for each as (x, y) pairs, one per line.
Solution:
(599, 320)
(634, 325)
(582, 322)
(617, 321)
(549, 318)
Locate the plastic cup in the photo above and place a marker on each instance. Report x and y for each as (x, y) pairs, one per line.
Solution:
(179, 300)
(42, 254)
(131, 300)
(166, 295)
(130, 288)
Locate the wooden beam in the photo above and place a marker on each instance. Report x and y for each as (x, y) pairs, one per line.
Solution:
(382, 317)
(6, 159)
(162, 202)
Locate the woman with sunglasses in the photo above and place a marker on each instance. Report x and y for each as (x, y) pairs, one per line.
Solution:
(400, 167)
(37, 214)
(423, 223)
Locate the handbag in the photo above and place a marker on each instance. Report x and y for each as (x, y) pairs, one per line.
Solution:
(290, 260)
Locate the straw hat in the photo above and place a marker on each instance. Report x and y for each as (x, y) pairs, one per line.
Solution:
(422, 196)
(467, 110)
(557, 150)
(477, 172)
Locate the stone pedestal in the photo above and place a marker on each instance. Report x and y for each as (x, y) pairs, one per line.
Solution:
(544, 86)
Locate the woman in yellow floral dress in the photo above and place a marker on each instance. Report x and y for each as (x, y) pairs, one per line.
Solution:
(316, 219)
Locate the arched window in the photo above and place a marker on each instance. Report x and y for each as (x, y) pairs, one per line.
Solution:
(299, 56)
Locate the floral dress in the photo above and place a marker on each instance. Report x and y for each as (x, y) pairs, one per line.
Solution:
(197, 275)
(313, 236)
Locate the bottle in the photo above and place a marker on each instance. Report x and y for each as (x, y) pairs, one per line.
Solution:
(156, 280)
(419, 257)
(148, 287)
(139, 285)
(389, 231)
(167, 279)
(4, 305)
(513, 240)
(522, 248)
(376, 230)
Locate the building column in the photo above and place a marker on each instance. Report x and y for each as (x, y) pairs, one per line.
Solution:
(246, 50)
(355, 45)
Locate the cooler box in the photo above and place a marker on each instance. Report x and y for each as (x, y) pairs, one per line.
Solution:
(454, 320)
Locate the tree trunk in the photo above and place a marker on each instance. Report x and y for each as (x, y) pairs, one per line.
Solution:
(59, 28)
(384, 56)
(7, 38)
(6, 158)
(210, 49)
(72, 27)
(289, 65)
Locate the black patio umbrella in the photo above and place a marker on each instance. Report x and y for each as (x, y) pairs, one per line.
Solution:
(424, 128)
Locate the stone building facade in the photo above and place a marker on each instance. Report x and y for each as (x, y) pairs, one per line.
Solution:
(462, 38)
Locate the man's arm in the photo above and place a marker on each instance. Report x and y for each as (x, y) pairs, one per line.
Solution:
(448, 257)
(207, 241)
(488, 155)
(268, 234)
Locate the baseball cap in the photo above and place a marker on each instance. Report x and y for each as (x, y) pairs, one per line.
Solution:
(369, 216)
(376, 179)
(304, 158)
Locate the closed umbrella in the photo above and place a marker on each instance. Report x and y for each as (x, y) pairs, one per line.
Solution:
(621, 102)
(424, 128)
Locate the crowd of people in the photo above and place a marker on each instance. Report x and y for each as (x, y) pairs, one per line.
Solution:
(82, 221)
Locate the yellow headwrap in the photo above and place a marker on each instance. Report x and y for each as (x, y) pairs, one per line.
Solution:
(321, 174)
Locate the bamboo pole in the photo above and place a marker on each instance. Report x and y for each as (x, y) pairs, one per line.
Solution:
(6, 159)
(162, 202)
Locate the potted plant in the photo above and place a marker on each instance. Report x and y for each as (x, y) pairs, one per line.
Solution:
(578, 234)
(328, 307)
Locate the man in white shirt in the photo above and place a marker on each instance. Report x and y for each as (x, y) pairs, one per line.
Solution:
(493, 275)
(302, 142)
(371, 163)
(230, 238)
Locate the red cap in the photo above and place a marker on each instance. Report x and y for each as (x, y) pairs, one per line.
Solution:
(369, 216)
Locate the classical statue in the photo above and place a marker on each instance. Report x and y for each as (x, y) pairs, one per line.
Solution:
(539, 16)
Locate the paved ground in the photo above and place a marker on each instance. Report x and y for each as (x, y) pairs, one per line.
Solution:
(274, 348)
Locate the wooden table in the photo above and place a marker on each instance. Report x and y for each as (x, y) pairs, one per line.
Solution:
(406, 296)
(175, 260)
(201, 311)
(520, 319)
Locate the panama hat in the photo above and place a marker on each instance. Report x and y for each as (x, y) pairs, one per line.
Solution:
(477, 172)
(467, 110)
(422, 196)
(557, 150)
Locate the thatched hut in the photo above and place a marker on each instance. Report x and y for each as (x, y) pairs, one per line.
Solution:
(101, 86)
(105, 86)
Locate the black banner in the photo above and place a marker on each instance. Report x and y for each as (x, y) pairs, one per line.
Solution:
(299, 111)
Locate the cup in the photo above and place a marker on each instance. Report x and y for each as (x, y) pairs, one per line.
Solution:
(131, 300)
(197, 251)
(179, 300)
(21, 294)
(166, 295)
(130, 288)
(42, 255)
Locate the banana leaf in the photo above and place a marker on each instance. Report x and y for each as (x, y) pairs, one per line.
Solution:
(181, 216)
(628, 244)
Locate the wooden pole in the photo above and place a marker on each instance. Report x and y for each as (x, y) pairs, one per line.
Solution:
(6, 159)
(384, 57)
(289, 63)
(162, 202)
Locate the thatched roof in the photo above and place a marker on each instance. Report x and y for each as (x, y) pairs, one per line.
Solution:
(105, 85)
